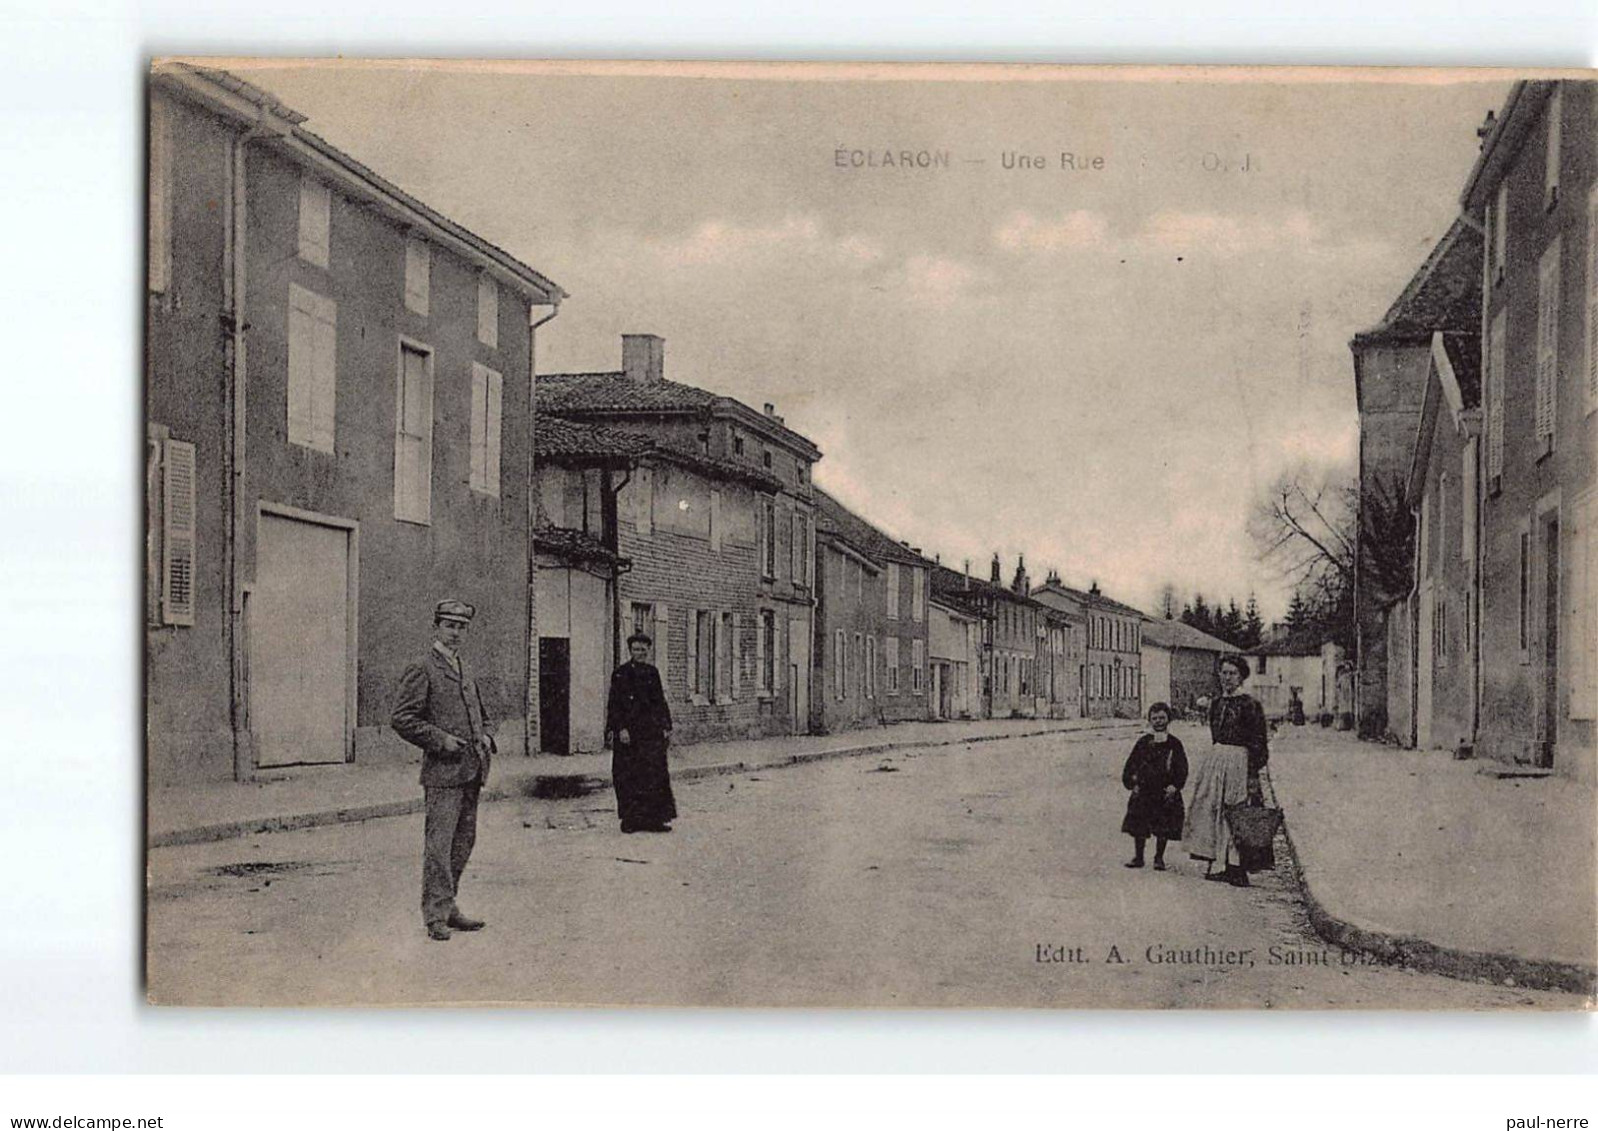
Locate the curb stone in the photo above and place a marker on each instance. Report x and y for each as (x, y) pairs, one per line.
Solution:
(562, 786)
(1415, 953)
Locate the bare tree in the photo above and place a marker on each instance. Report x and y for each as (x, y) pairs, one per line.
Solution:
(1305, 526)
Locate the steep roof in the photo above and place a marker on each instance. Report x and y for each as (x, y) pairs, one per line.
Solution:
(1174, 634)
(1443, 294)
(837, 520)
(616, 394)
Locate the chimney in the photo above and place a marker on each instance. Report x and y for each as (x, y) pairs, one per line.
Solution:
(1020, 584)
(996, 577)
(643, 357)
(967, 583)
(1094, 588)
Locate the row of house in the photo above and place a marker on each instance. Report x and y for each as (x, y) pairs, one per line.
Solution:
(343, 424)
(1477, 394)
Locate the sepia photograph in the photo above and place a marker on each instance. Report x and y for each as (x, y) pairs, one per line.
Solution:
(869, 536)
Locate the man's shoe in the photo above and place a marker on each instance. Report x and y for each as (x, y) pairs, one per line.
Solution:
(465, 922)
(1159, 865)
(438, 932)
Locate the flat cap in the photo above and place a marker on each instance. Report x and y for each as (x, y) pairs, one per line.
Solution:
(451, 609)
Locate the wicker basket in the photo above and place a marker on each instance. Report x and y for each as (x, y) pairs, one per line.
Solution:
(1253, 826)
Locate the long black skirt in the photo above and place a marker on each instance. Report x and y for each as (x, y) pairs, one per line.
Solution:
(1154, 815)
(643, 784)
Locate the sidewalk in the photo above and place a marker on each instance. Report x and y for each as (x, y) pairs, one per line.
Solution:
(1430, 862)
(322, 795)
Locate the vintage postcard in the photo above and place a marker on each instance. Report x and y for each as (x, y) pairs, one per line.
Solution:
(864, 536)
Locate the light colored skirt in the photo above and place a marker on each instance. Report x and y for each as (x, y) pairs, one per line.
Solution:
(1221, 779)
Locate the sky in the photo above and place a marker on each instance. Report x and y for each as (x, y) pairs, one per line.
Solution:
(1099, 364)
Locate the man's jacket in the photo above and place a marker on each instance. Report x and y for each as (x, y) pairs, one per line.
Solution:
(433, 702)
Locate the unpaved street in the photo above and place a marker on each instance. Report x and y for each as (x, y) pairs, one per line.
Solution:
(932, 878)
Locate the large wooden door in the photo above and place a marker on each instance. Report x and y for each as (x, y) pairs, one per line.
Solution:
(300, 666)
(799, 674)
(554, 695)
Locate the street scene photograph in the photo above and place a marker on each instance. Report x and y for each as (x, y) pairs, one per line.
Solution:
(869, 536)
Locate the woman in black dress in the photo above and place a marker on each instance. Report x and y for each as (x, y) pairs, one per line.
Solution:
(1228, 774)
(1155, 772)
(638, 722)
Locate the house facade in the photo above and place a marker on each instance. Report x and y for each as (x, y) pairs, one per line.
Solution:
(1112, 669)
(873, 645)
(1393, 362)
(1181, 665)
(1532, 191)
(718, 528)
(954, 638)
(338, 435)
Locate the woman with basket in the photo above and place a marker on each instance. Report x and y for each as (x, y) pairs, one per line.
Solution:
(1227, 778)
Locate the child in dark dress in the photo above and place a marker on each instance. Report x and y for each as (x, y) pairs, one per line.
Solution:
(1155, 772)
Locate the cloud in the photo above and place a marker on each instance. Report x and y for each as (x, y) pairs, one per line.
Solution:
(727, 243)
(936, 280)
(1022, 231)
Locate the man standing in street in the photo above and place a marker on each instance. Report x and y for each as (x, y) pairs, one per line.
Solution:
(638, 722)
(440, 710)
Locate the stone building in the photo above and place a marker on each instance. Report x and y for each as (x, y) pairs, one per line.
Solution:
(1112, 672)
(718, 527)
(337, 396)
(1533, 192)
(1181, 665)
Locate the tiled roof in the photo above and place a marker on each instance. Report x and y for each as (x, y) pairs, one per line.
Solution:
(1444, 294)
(1098, 601)
(1175, 634)
(616, 392)
(835, 518)
(574, 545)
(557, 439)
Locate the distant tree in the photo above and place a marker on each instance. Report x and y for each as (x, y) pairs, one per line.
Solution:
(1198, 615)
(1253, 627)
(1307, 525)
(1168, 601)
(1229, 622)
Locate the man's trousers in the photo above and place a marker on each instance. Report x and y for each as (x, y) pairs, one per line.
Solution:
(451, 833)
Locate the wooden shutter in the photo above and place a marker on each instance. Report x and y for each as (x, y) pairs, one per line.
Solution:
(1592, 301)
(760, 653)
(1548, 340)
(691, 651)
(418, 275)
(487, 311)
(737, 655)
(663, 644)
(1495, 398)
(315, 221)
(178, 534)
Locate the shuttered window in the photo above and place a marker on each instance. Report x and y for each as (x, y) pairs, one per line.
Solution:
(662, 642)
(1495, 399)
(177, 533)
(313, 368)
(487, 311)
(488, 388)
(413, 436)
(418, 275)
(893, 665)
(918, 600)
(766, 651)
(893, 598)
(918, 660)
(1548, 345)
(315, 220)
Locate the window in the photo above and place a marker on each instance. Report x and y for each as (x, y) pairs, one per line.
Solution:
(642, 619)
(1551, 152)
(871, 667)
(860, 665)
(487, 311)
(702, 673)
(178, 527)
(803, 576)
(1591, 382)
(768, 537)
(704, 443)
(1547, 346)
(1025, 678)
(413, 436)
(918, 600)
(313, 348)
(766, 651)
(893, 665)
(918, 658)
(1501, 231)
(725, 677)
(160, 266)
(840, 646)
(765, 458)
(315, 221)
(1495, 403)
(737, 444)
(893, 590)
(795, 540)
(1262, 664)
(1525, 590)
(487, 401)
(418, 275)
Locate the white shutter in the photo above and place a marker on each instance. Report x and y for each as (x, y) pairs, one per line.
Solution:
(418, 275)
(691, 652)
(662, 643)
(1592, 299)
(312, 368)
(760, 652)
(1548, 340)
(487, 311)
(737, 655)
(413, 437)
(479, 433)
(1495, 398)
(178, 534)
(324, 396)
(315, 220)
(718, 659)
(893, 591)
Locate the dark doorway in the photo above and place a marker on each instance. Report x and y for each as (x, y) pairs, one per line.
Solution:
(1550, 720)
(554, 694)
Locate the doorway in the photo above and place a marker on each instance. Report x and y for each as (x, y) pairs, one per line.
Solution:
(554, 694)
(1549, 684)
